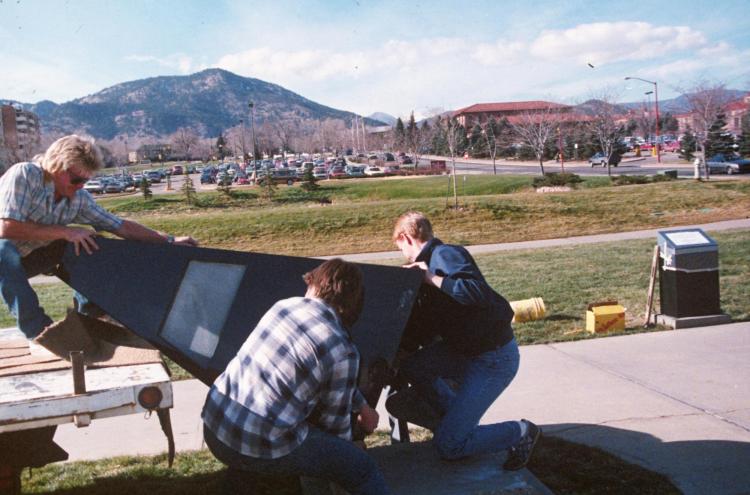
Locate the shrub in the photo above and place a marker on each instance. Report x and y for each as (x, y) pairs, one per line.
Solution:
(557, 179)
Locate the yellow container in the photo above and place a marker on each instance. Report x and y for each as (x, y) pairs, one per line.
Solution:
(604, 317)
(528, 309)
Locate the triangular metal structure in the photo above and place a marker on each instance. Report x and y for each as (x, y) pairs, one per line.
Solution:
(198, 305)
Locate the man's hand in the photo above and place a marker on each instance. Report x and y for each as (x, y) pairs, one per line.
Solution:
(185, 241)
(81, 238)
(429, 277)
(367, 419)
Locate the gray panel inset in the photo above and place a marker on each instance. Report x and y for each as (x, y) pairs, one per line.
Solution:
(201, 307)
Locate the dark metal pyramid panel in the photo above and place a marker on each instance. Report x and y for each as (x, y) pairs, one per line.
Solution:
(198, 305)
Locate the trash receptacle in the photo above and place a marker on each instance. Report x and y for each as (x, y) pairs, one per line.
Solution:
(688, 273)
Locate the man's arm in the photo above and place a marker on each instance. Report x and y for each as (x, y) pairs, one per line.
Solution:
(137, 232)
(32, 231)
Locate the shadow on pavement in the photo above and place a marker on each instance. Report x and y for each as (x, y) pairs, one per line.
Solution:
(695, 466)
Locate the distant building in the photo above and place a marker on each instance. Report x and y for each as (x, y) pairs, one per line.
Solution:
(733, 111)
(20, 132)
(155, 152)
(480, 113)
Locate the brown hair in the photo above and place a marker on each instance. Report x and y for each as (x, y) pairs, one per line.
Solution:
(415, 224)
(72, 151)
(339, 283)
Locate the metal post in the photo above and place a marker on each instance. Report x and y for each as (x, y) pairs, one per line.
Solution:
(244, 154)
(656, 103)
(252, 126)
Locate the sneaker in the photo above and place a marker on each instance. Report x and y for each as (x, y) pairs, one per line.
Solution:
(519, 455)
(406, 405)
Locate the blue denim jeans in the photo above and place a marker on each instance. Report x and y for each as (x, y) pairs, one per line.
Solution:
(320, 455)
(481, 379)
(17, 293)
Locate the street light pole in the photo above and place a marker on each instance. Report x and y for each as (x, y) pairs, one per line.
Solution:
(656, 104)
(244, 155)
(251, 105)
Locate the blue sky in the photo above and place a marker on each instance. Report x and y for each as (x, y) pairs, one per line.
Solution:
(391, 56)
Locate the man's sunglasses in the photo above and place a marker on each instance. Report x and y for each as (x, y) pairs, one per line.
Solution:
(76, 180)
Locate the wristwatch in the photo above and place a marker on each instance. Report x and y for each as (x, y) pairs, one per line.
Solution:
(170, 238)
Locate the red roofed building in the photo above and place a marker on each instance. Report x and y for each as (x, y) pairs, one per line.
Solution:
(480, 113)
(733, 111)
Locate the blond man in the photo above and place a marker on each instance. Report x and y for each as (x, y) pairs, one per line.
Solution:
(38, 202)
(466, 338)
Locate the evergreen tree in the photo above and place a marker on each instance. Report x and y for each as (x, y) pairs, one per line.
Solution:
(146, 188)
(399, 133)
(475, 142)
(439, 139)
(221, 146)
(188, 190)
(224, 186)
(309, 182)
(687, 145)
(268, 186)
(668, 124)
(719, 140)
(744, 138)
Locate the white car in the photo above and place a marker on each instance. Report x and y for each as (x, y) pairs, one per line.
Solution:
(94, 186)
(373, 171)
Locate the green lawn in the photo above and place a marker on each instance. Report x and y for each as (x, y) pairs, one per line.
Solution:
(565, 467)
(493, 209)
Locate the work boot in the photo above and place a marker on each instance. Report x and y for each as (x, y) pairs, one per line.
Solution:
(66, 335)
(406, 405)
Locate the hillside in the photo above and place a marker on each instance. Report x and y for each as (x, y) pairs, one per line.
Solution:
(209, 101)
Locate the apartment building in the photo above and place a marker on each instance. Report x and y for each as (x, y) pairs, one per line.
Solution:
(20, 132)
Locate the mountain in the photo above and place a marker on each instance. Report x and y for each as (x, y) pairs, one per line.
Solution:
(383, 117)
(681, 103)
(209, 101)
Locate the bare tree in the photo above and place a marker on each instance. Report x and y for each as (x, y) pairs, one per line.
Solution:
(706, 101)
(536, 128)
(495, 134)
(184, 140)
(603, 125)
(454, 133)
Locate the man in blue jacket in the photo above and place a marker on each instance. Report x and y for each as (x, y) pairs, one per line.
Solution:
(464, 329)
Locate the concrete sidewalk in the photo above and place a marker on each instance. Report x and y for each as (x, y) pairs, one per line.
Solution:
(676, 402)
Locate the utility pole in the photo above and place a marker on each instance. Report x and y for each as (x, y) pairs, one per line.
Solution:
(251, 105)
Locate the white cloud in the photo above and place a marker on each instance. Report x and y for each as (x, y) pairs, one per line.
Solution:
(180, 62)
(500, 52)
(609, 42)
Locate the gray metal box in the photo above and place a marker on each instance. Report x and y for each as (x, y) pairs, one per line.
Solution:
(688, 250)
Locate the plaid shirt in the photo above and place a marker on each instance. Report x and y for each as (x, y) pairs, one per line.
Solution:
(25, 196)
(297, 367)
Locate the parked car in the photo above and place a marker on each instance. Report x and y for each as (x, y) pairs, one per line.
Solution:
(601, 159)
(320, 173)
(177, 170)
(337, 172)
(728, 164)
(672, 146)
(355, 171)
(284, 175)
(391, 170)
(373, 171)
(388, 157)
(406, 160)
(114, 186)
(153, 176)
(207, 176)
(94, 186)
